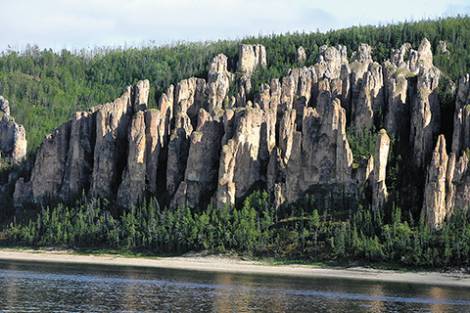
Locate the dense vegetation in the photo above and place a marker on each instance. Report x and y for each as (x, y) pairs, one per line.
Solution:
(46, 87)
(254, 229)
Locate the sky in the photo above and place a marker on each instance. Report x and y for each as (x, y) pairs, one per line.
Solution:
(77, 24)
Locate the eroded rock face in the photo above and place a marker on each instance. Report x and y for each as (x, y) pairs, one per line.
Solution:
(379, 189)
(50, 164)
(178, 150)
(425, 54)
(301, 55)
(320, 155)
(202, 147)
(396, 108)
(132, 187)
(251, 57)
(140, 95)
(4, 106)
(442, 47)
(112, 122)
(79, 161)
(458, 194)
(425, 115)
(240, 162)
(297, 89)
(13, 144)
(370, 100)
(23, 193)
(434, 205)
(330, 61)
(190, 95)
(218, 83)
(398, 55)
(461, 134)
(200, 178)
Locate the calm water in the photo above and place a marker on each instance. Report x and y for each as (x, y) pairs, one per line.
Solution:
(64, 288)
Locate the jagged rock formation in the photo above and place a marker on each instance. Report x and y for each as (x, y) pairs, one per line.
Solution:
(219, 79)
(13, 144)
(448, 176)
(200, 178)
(242, 155)
(461, 134)
(425, 109)
(301, 55)
(112, 121)
(202, 146)
(79, 162)
(434, 206)
(379, 188)
(132, 186)
(250, 57)
(4, 106)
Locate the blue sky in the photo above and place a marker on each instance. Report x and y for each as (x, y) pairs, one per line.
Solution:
(77, 24)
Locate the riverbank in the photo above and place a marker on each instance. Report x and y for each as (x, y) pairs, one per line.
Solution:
(237, 266)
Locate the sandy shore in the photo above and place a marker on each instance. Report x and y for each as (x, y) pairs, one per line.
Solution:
(234, 265)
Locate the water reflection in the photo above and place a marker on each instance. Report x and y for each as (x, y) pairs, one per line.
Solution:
(438, 293)
(45, 288)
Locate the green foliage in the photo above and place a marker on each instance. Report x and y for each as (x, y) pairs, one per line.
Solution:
(362, 144)
(255, 229)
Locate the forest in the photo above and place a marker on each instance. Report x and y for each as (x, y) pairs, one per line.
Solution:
(255, 230)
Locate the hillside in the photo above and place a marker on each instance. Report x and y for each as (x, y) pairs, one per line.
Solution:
(45, 88)
(358, 126)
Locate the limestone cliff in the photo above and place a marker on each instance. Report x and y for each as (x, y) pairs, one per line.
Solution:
(13, 144)
(204, 144)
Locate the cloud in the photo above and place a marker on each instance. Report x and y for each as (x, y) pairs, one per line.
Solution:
(86, 23)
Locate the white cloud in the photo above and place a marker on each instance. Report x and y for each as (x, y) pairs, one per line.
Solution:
(85, 23)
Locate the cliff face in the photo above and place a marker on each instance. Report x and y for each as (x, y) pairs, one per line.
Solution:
(204, 146)
(13, 142)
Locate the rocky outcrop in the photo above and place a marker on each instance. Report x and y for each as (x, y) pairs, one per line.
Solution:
(132, 187)
(425, 108)
(13, 144)
(140, 95)
(370, 99)
(4, 106)
(396, 108)
(178, 150)
(434, 204)
(297, 89)
(112, 122)
(461, 133)
(379, 188)
(240, 161)
(301, 55)
(458, 183)
(218, 83)
(50, 164)
(79, 161)
(190, 96)
(250, 57)
(330, 61)
(202, 146)
(200, 178)
(318, 156)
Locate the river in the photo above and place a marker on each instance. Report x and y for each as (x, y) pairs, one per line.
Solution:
(41, 287)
